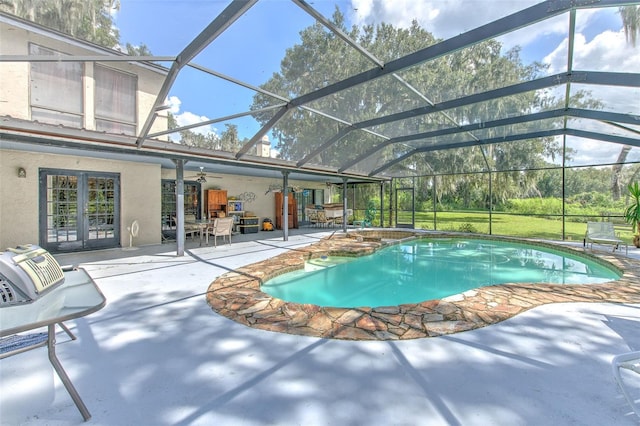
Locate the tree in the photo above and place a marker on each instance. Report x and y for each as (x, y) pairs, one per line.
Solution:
(616, 171)
(631, 24)
(140, 50)
(227, 141)
(321, 58)
(88, 20)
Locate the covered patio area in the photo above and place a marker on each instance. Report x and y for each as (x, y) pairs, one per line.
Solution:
(158, 355)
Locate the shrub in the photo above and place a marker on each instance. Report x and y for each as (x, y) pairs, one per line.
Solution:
(590, 199)
(535, 206)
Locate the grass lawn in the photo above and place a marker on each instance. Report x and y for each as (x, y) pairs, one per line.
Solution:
(503, 224)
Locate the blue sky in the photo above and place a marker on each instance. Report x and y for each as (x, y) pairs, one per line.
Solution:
(251, 50)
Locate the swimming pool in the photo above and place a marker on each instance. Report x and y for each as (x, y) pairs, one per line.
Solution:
(238, 296)
(427, 269)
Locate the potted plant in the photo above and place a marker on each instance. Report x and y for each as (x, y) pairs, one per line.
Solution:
(632, 213)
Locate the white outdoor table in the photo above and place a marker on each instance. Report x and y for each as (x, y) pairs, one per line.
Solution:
(77, 297)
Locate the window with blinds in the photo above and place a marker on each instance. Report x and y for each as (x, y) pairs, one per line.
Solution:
(115, 101)
(56, 90)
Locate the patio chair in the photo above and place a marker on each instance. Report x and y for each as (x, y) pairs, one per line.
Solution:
(629, 361)
(321, 219)
(312, 215)
(190, 225)
(220, 227)
(603, 233)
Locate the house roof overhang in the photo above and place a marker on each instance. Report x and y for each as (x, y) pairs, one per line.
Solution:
(32, 136)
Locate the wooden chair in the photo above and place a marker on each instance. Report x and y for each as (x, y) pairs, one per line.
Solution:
(220, 227)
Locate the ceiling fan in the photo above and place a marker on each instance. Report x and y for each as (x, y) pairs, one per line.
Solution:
(201, 176)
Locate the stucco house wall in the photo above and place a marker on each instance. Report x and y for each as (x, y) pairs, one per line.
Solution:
(139, 195)
(139, 182)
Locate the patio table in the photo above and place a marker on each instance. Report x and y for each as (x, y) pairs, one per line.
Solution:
(77, 297)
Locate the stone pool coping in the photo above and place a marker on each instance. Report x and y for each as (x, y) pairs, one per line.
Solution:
(237, 296)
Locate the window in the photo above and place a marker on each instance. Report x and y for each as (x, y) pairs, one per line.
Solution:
(115, 101)
(56, 90)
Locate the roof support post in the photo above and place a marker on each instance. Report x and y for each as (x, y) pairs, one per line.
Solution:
(345, 217)
(435, 203)
(486, 162)
(382, 204)
(285, 205)
(180, 207)
(564, 186)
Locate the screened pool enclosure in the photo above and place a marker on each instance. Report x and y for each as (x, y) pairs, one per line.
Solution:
(510, 117)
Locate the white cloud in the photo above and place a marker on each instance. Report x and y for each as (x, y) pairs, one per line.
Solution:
(590, 151)
(448, 18)
(608, 51)
(175, 103)
(187, 118)
(445, 18)
(600, 127)
(400, 13)
(114, 9)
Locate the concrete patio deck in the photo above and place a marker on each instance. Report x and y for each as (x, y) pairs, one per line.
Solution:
(157, 354)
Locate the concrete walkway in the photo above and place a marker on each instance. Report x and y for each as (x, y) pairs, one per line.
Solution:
(158, 355)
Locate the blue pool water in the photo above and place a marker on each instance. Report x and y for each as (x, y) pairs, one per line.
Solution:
(429, 269)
